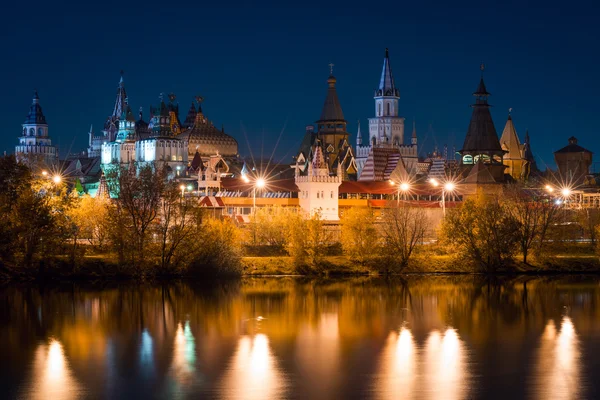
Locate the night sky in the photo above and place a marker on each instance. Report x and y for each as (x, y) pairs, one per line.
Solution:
(262, 68)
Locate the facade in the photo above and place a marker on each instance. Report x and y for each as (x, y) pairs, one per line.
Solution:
(573, 162)
(35, 146)
(386, 129)
(481, 162)
(318, 186)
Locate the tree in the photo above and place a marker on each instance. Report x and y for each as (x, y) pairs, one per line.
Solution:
(137, 205)
(483, 230)
(401, 229)
(90, 217)
(180, 219)
(307, 242)
(532, 215)
(269, 225)
(589, 219)
(359, 236)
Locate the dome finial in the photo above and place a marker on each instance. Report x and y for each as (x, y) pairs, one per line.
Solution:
(331, 65)
(387, 53)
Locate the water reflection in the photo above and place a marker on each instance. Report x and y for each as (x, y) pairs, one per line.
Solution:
(253, 373)
(422, 338)
(184, 355)
(51, 377)
(398, 370)
(558, 364)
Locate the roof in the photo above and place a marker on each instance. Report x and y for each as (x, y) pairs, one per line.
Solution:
(573, 147)
(510, 141)
(332, 110)
(273, 185)
(381, 162)
(480, 173)
(386, 82)
(384, 187)
(481, 135)
(35, 115)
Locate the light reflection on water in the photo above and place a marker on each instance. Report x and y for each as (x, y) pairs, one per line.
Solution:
(51, 377)
(558, 363)
(426, 338)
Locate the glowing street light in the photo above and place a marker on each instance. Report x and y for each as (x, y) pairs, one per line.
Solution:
(57, 179)
(549, 188)
(566, 192)
(44, 173)
(182, 187)
(402, 187)
(260, 183)
(448, 187)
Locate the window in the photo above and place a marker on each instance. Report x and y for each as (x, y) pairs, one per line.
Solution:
(317, 195)
(31, 132)
(40, 132)
(389, 113)
(379, 110)
(173, 157)
(332, 194)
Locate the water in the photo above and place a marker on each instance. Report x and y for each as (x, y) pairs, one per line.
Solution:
(424, 337)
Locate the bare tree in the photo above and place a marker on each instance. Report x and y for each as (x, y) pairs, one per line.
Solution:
(401, 230)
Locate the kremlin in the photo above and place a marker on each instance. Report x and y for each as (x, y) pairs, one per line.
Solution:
(332, 170)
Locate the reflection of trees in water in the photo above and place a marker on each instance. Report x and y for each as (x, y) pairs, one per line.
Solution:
(91, 321)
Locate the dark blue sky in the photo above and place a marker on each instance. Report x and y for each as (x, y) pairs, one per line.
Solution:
(263, 66)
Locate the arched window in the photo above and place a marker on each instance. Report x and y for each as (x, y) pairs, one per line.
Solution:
(40, 132)
(332, 194)
(322, 196)
(31, 132)
(373, 141)
(317, 195)
(389, 113)
(379, 110)
(173, 157)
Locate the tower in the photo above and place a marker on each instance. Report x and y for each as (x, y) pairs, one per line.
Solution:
(481, 145)
(514, 159)
(35, 146)
(319, 186)
(331, 126)
(387, 127)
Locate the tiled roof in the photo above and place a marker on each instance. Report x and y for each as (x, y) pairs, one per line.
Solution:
(332, 110)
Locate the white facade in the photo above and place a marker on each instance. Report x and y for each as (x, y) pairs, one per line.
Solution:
(319, 191)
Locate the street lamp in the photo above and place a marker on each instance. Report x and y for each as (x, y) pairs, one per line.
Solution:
(549, 188)
(182, 187)
(447, 187)
(404, 187)
(44, 173)
(57, 179)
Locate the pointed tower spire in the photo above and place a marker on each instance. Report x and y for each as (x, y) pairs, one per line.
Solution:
(191, 116)
(386, 83)
(510, 140)
(413, 139)
(332, 110)
(481, 136)
(358, 136)
(120, 101)
(35, 115)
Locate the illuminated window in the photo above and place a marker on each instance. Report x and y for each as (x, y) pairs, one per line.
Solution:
(173, 157)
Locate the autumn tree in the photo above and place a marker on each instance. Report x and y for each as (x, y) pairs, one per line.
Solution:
(307, 242)
(359, 237)
(136, 208)
(532, 216)
(483, 230)
(401, 229)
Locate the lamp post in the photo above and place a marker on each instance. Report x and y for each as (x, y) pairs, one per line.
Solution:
(447, 187)
(182, 187)
(402, 187)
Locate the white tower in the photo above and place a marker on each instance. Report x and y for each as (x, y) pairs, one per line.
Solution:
(318, 188)
(35, 145)
(387, 127)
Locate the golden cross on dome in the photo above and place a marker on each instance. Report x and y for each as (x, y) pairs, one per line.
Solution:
(331, 65)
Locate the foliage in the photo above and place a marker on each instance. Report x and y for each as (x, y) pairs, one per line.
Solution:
(307, 242)
(268, 226)
(532, 216)
(359, 237)
(589, 219)
(89, 214)
(482, 229)
(218, 248)
(136, 208)
(401, 230)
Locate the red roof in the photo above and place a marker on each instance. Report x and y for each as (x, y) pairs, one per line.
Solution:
(273, 185)
(385, 187)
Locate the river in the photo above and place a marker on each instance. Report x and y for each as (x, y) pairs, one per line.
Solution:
(416, 337)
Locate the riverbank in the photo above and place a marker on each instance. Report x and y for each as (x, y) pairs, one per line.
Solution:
(106, 267)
